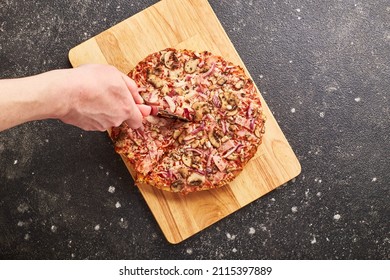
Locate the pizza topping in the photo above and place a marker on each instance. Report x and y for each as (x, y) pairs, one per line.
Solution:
(177, 185)
(215, 138)
(219, 162)
(155, 81)
(171, 103)
(191, 65)
(187, 160)
(196, 179)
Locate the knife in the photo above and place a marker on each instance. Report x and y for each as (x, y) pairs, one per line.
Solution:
(162, 113)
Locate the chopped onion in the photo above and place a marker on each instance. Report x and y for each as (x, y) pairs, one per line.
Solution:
(232, 150)
(171, 103)
(216, 101)
(198, 129)
(210, 71)
(195, 151)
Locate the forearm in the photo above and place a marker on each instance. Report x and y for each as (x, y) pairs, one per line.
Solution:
(31, 98)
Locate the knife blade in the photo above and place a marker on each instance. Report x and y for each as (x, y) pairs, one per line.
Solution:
(162, 113)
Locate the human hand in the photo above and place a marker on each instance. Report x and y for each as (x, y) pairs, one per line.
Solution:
(100, 96)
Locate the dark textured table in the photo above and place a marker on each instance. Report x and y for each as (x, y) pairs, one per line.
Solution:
(322, 66)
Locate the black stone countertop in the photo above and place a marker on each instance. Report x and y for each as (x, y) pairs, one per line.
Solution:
(323, 68)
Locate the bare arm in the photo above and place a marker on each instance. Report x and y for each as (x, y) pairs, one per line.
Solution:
(92, 97)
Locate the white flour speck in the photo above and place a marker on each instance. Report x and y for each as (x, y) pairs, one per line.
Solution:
(358, 99)
(263, 227)
(189, 251)
(374, 179)
(298, 10)
(337, 217)
(299, 18)
(318, 180)
(261, 76)
(322, 114)
(73, 255)
(294, 209)
(15, 161)
(20, 224)
(53, 228)
(318, 194)
(26, 236)
(118, 205)
(252, 231)
(111, 189)
(230, 237)
(123, 223)
(234, 250)
(23, 207)
(313, 240)
(293, 110)
(97, 227)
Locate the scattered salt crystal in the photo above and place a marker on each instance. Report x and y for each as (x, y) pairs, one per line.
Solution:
(118, 205)
(252, 231)
(111, 189)
(294, 209)
(293, 110)
(230, 237)
(189, 251)
(15, 161)
(337, 217)
(322, 114)
(358, 99)
(26, 236)
(97, 227)
(53, 228)
(374, 179)
(234, 250)
(314, 240)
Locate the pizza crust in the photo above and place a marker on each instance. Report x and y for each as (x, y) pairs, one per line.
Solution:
(225, 128)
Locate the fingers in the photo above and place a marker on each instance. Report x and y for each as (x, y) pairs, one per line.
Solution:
(133, 88)
(144, 109)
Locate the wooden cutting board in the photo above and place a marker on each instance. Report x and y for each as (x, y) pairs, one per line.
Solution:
(191, 24)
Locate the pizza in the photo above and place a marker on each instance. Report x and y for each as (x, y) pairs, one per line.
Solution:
(224, 129)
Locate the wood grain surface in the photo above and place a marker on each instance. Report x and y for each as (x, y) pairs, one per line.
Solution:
(183, 24)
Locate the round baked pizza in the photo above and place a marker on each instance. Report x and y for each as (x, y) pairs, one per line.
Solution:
(219, 129)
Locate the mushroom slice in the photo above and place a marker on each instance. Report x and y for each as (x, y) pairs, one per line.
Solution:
(183, 171)
(200, 108)
(221, 80)
(196, 179)
(187, 160)
(259, 131)
(214, 138)
(155, 81)
(177, 185)
(191, 65)
(166, 59)
(177, 133)
(239, 84)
